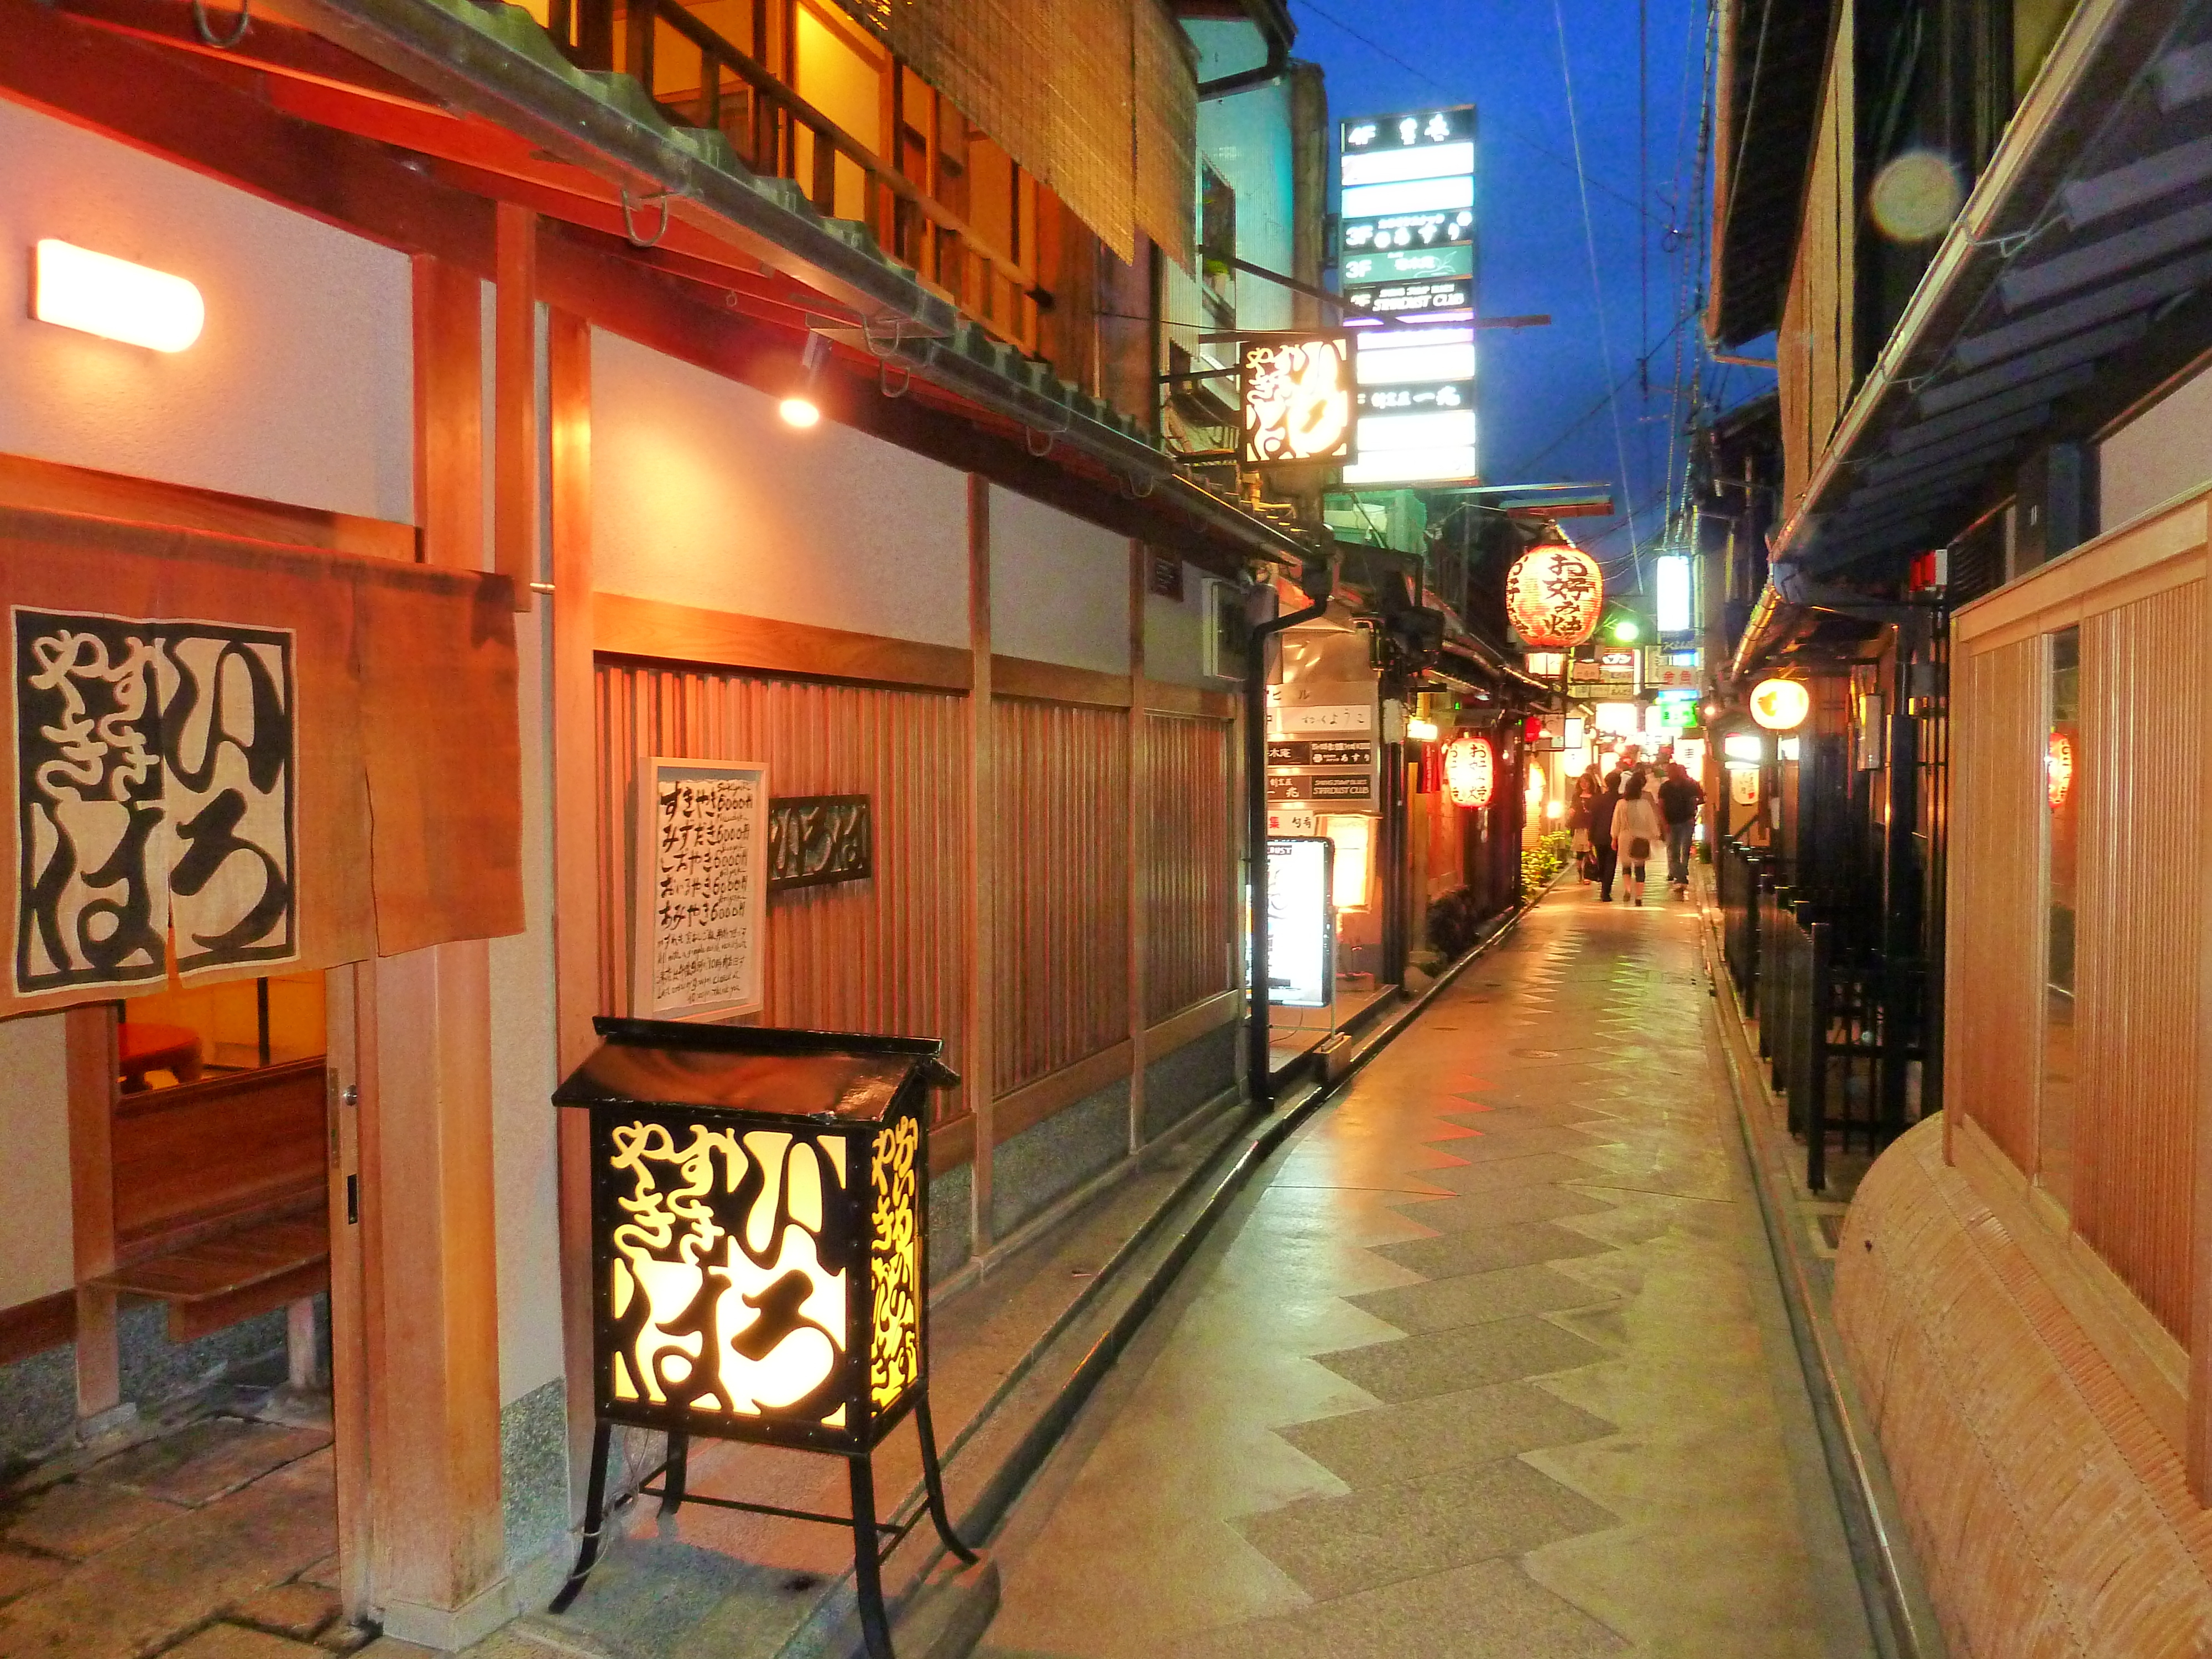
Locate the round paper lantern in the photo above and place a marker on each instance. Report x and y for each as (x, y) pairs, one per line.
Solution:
(1553, 594)
(1780, 705)
(1470, 771)
(2059, 766)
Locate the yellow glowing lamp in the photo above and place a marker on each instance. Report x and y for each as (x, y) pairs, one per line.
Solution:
(2058, 766)
(1553, 595)
(1470, 771)
(99, 294)
(1780, 705)
(759, 1259)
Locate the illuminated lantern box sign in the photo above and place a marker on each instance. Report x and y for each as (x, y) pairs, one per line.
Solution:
(1470, 771)
(1297, 400)
(759, 1258)
(1554, 594)
(1780, 705)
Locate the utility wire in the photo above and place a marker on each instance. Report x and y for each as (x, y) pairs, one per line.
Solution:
(1431, 82)
(1597, 285)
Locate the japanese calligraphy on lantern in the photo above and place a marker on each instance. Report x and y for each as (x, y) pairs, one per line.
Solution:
(1553, 595)
(1297, 400)
(701, 875)
(155, 771)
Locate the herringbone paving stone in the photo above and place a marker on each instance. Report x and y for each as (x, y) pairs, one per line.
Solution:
(1476, 1375)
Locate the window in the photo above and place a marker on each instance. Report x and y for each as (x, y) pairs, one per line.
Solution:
(190, 1034)
(2063, 775)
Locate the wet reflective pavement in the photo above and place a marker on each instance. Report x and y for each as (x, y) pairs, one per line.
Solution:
(1490, 1360)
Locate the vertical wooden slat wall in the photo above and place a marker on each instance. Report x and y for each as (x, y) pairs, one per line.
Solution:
(1059, 911)
(2141, 887)
(1996, 970)
(1189, 884)
(883, 954)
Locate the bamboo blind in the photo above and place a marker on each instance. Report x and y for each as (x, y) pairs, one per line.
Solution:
(1995, 969)
(1060, 906)
(883, 954)
(2142, 891)
(1190, 866)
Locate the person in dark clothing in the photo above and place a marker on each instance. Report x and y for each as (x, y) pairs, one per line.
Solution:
(1608, 856)
(1679, 797)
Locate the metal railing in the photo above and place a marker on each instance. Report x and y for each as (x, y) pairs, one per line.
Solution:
(1839, 1029)
(762, 117)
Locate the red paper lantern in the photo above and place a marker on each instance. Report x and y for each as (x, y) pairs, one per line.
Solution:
(1553, 595)
(1470, 771)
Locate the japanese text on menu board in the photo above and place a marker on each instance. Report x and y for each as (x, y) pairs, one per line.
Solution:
(707, 882)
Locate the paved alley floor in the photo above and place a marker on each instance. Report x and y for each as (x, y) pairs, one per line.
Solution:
(1490, 1360)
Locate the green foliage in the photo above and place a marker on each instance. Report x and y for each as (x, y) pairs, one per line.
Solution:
(1540, 863)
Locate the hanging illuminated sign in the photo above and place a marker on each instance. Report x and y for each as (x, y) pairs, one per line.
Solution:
(1301, 926)
(1296, 401)
(1553, 594)
(1780, 705)
(1470, 771)
(1406, 258)
(1671, 604)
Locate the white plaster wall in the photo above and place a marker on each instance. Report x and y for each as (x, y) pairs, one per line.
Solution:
(701, 496)
(2164, 451)
(525, 1155)
(36, 1256)
(1059, 586)
(301, 388)
(1175, 631)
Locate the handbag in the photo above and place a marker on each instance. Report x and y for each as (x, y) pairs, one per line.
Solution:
(1639, 849)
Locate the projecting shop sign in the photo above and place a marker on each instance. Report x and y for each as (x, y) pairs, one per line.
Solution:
(1324, 745)
(1405, 253)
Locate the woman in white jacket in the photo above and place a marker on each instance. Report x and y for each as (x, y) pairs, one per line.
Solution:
(1637, 834)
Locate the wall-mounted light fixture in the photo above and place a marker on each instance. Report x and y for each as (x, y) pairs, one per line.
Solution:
(800, 409)
(100, 294)
(1420, 730)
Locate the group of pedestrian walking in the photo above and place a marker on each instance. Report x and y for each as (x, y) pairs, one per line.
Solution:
(1620, 819)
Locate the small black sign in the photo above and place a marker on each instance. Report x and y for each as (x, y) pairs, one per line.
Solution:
(1324, 752)
(815, 840)
(1320, 786)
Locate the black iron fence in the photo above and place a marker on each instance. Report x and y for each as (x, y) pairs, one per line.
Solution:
(1839, 1027)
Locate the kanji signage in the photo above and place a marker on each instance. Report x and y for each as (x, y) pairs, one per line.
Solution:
(814, 841)
(155, 772)
(1553, 595)
(1301, 921)
(1405, 256)
(1324, 745)
(1296, 401)
(702, 875)
(1470, 771)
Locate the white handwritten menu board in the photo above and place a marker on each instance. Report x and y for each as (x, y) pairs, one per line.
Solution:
(702, 876)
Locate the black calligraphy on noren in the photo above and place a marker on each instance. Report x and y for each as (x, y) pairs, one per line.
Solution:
(155, 780)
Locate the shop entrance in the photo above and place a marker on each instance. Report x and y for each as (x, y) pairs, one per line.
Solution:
(206, 1494)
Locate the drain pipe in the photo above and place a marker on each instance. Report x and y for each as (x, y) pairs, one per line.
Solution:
(1318, 580)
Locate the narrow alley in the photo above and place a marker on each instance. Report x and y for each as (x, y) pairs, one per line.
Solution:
(1490, 1360)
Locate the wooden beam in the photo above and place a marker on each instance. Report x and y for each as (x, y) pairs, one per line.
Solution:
(52, 487)
(1163, 697)
(343, 1026)
(269, 45)
(575, 844)
(448, 413)
(157, 101)
(34, 1327)
(952, 1144)
(980, 874)
(1140, 567)
(515, 429)
(89, 1047)
(627, 626)
(1032, 1104)
(1052, 682)
(1187, 1025)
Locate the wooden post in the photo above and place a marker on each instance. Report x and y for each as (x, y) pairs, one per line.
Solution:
(344, 1025)
(514, 403)
(424, 1062)
(2197, 1452)
(982, 865)
(576, 920)
(88, 1034)
(1139, 585)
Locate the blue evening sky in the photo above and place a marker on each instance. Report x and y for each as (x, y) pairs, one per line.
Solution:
(1544, 411)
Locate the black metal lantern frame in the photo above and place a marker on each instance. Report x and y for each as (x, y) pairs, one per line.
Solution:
(760, 1260)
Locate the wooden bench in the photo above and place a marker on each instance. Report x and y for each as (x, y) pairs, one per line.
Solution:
(221, 1201)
